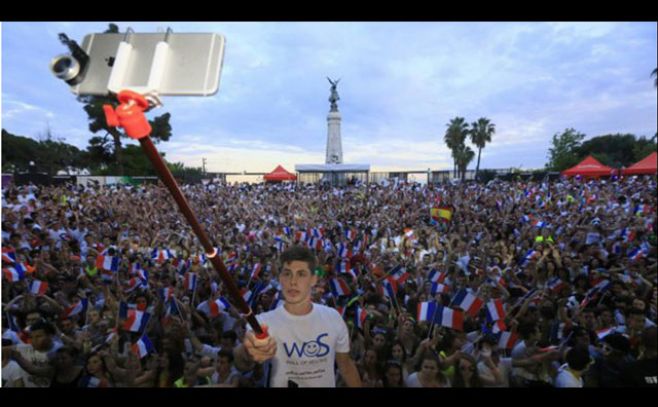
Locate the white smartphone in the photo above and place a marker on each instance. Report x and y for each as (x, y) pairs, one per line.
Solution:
(185, 64)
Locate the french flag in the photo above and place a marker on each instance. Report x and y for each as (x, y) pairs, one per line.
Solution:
(142, 347)
(495, 310)
(426, 311)
(9, 255)
(450, 318)
(14, 274)
(468, 302)
(91, 382)
(339, 287)
(38, 287)
(287, 231)
(278, 242)
(528, 256)
(345, 268)
(499, 326)
(300, 236)
(189, 281)
(436, 276)
(555, 284)
(160, 255)
(360, 317)
(110, 263)
(390, 287)
(214, 308)
(77, 308)
(317, 233)
(438, 288)
(255, 271)
(328, 246)
(400, 274)
(166, 293)
(507, 340)
(143, 277)
(602, 333)
(134, 321)
(350, 234)
(539, 224)
(172, 309)
(636, 254)
(343, 251)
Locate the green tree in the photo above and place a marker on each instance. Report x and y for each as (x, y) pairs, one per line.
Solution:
(463, 156)
(564, 152)
(481, 132)
(454, 138)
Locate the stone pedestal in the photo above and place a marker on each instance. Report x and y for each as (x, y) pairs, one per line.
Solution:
(334, 144)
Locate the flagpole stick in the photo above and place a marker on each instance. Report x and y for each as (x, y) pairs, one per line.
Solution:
(130, 115)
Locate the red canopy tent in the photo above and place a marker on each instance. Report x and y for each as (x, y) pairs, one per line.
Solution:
(589, 167)
(645, 166)
(279, 174)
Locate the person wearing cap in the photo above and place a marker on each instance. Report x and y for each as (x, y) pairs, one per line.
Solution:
(607, 369)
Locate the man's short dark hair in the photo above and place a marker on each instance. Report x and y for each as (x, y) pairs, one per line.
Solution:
(43, 326)
(299, 253)
(526, 329)
(224, 353)
(578, 358)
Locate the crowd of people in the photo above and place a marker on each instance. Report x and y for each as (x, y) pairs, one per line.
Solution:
(516, 284)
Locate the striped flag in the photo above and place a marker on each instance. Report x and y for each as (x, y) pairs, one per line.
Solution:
(161, 255)
(468, 302)
(339, 287)
(14, 274)
(390, 287)
(255, 271)
(142, 347)
(495, 310)
(555, 284)
(134, 320)
(109, 263)
(436, 276)
(79, 307)
(344, 267)
(189, 281)
(38, 287)
(426, 311)
(214, 308)
(499, 326)
(602, 333)
(507, 340)
(360, 316)
(350, 234)
(450, 318)
(9, 255)
(438, 288)
(400, 274)
(166, 293)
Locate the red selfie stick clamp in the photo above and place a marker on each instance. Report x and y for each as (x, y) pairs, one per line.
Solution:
(129, 114)
(263, 335)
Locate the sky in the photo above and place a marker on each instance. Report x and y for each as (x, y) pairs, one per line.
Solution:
(400, 84)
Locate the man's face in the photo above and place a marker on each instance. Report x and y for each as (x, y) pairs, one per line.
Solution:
(32, 318)
(636, 322)
(41, 340)
(297, 281)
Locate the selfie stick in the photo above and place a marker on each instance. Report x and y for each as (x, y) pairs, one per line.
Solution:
(130, 115)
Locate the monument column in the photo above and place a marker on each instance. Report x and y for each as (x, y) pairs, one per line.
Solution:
(334, 146)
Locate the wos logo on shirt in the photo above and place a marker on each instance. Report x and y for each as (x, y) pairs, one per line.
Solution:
(309, 349)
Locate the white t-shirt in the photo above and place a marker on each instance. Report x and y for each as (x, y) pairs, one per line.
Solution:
(11, 373)
(505, 368)
(306, 346)
(565, 378)
(38, 359)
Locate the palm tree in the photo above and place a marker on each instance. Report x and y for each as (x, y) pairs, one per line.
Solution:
(464, 156)
(481, 132)
(455, 137)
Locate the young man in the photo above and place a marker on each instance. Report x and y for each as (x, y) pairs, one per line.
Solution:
(304, 338)
(570, 374)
